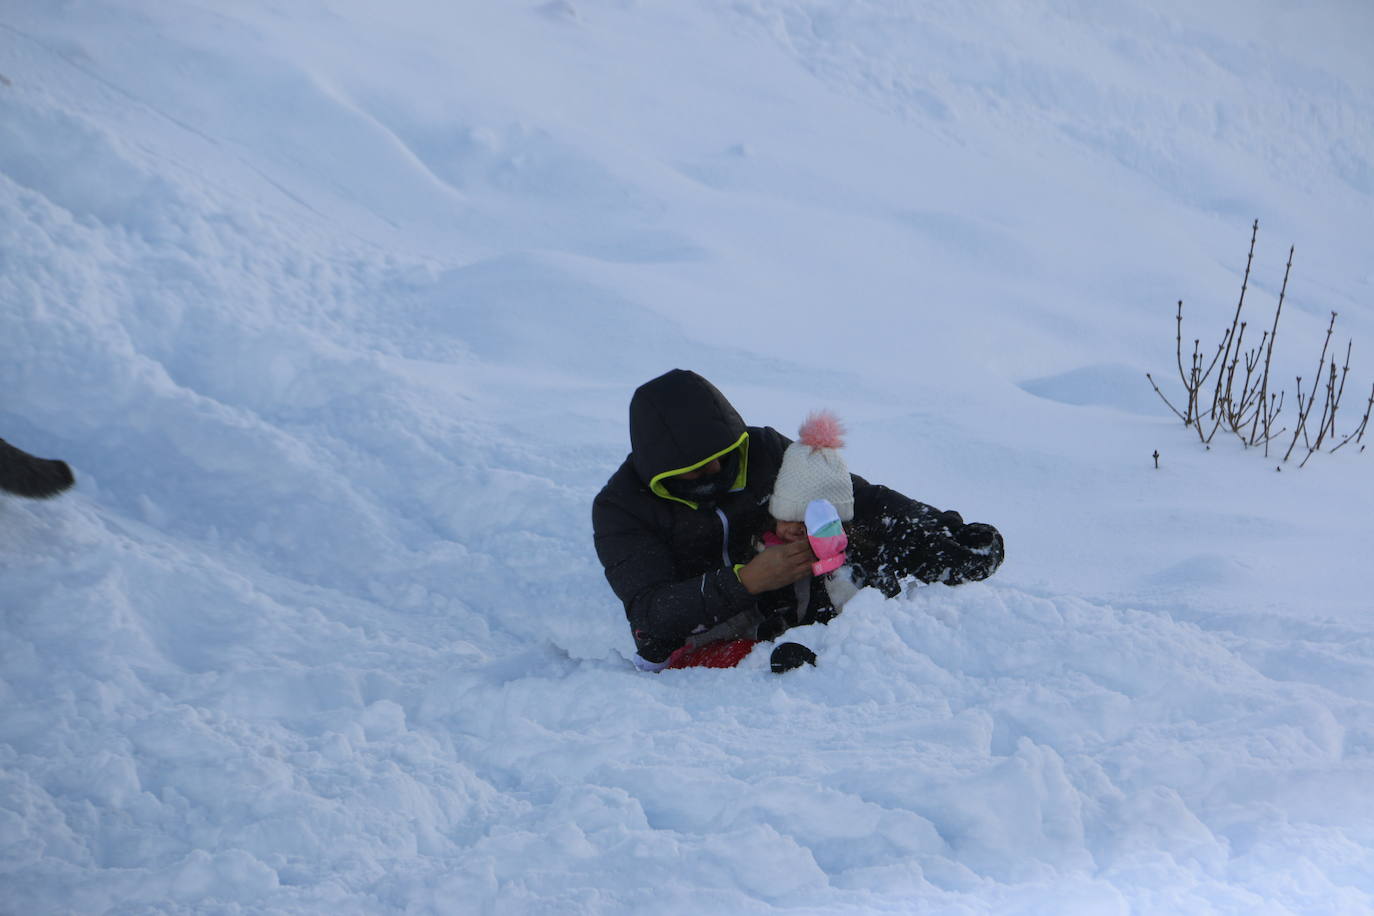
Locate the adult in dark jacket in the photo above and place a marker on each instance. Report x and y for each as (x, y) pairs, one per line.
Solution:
(676, 526)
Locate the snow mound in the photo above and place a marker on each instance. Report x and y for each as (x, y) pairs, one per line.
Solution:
(1115, 386)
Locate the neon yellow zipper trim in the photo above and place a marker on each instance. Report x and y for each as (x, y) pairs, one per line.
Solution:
(742, 443)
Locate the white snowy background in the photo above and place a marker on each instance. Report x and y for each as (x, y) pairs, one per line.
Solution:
(335, 308)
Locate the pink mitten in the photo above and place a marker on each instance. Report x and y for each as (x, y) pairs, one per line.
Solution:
(826, 533)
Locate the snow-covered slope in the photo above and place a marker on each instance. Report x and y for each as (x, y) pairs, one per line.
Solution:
(335, 308)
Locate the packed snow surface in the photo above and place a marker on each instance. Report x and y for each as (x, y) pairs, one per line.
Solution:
(335, 308)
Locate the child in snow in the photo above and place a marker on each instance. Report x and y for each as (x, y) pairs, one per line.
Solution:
(813, 496)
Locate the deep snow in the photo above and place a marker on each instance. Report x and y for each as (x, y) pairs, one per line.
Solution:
(335, 309)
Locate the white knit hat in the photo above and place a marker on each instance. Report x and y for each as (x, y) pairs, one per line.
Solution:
(812, 468)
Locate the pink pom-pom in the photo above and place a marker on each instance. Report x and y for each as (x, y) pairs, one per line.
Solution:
(822, 429)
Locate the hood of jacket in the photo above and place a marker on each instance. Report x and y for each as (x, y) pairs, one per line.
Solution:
(680, 422)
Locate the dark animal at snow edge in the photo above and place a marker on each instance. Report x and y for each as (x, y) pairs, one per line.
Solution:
(28, 475)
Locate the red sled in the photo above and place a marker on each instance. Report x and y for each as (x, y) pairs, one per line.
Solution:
(726, 654)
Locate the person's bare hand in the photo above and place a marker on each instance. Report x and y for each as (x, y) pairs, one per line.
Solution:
(777, 566)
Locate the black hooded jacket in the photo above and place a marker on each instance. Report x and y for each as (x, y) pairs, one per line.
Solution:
(672, 562)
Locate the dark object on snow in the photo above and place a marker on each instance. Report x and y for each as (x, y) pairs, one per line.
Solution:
(790, 655)
(27, 475)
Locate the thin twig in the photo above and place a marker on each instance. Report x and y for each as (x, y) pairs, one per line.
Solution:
(1230, 336)
(1303, 411)
(1164, 399)
(1269, 354)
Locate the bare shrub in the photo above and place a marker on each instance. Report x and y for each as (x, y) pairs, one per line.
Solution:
(1230, 388)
